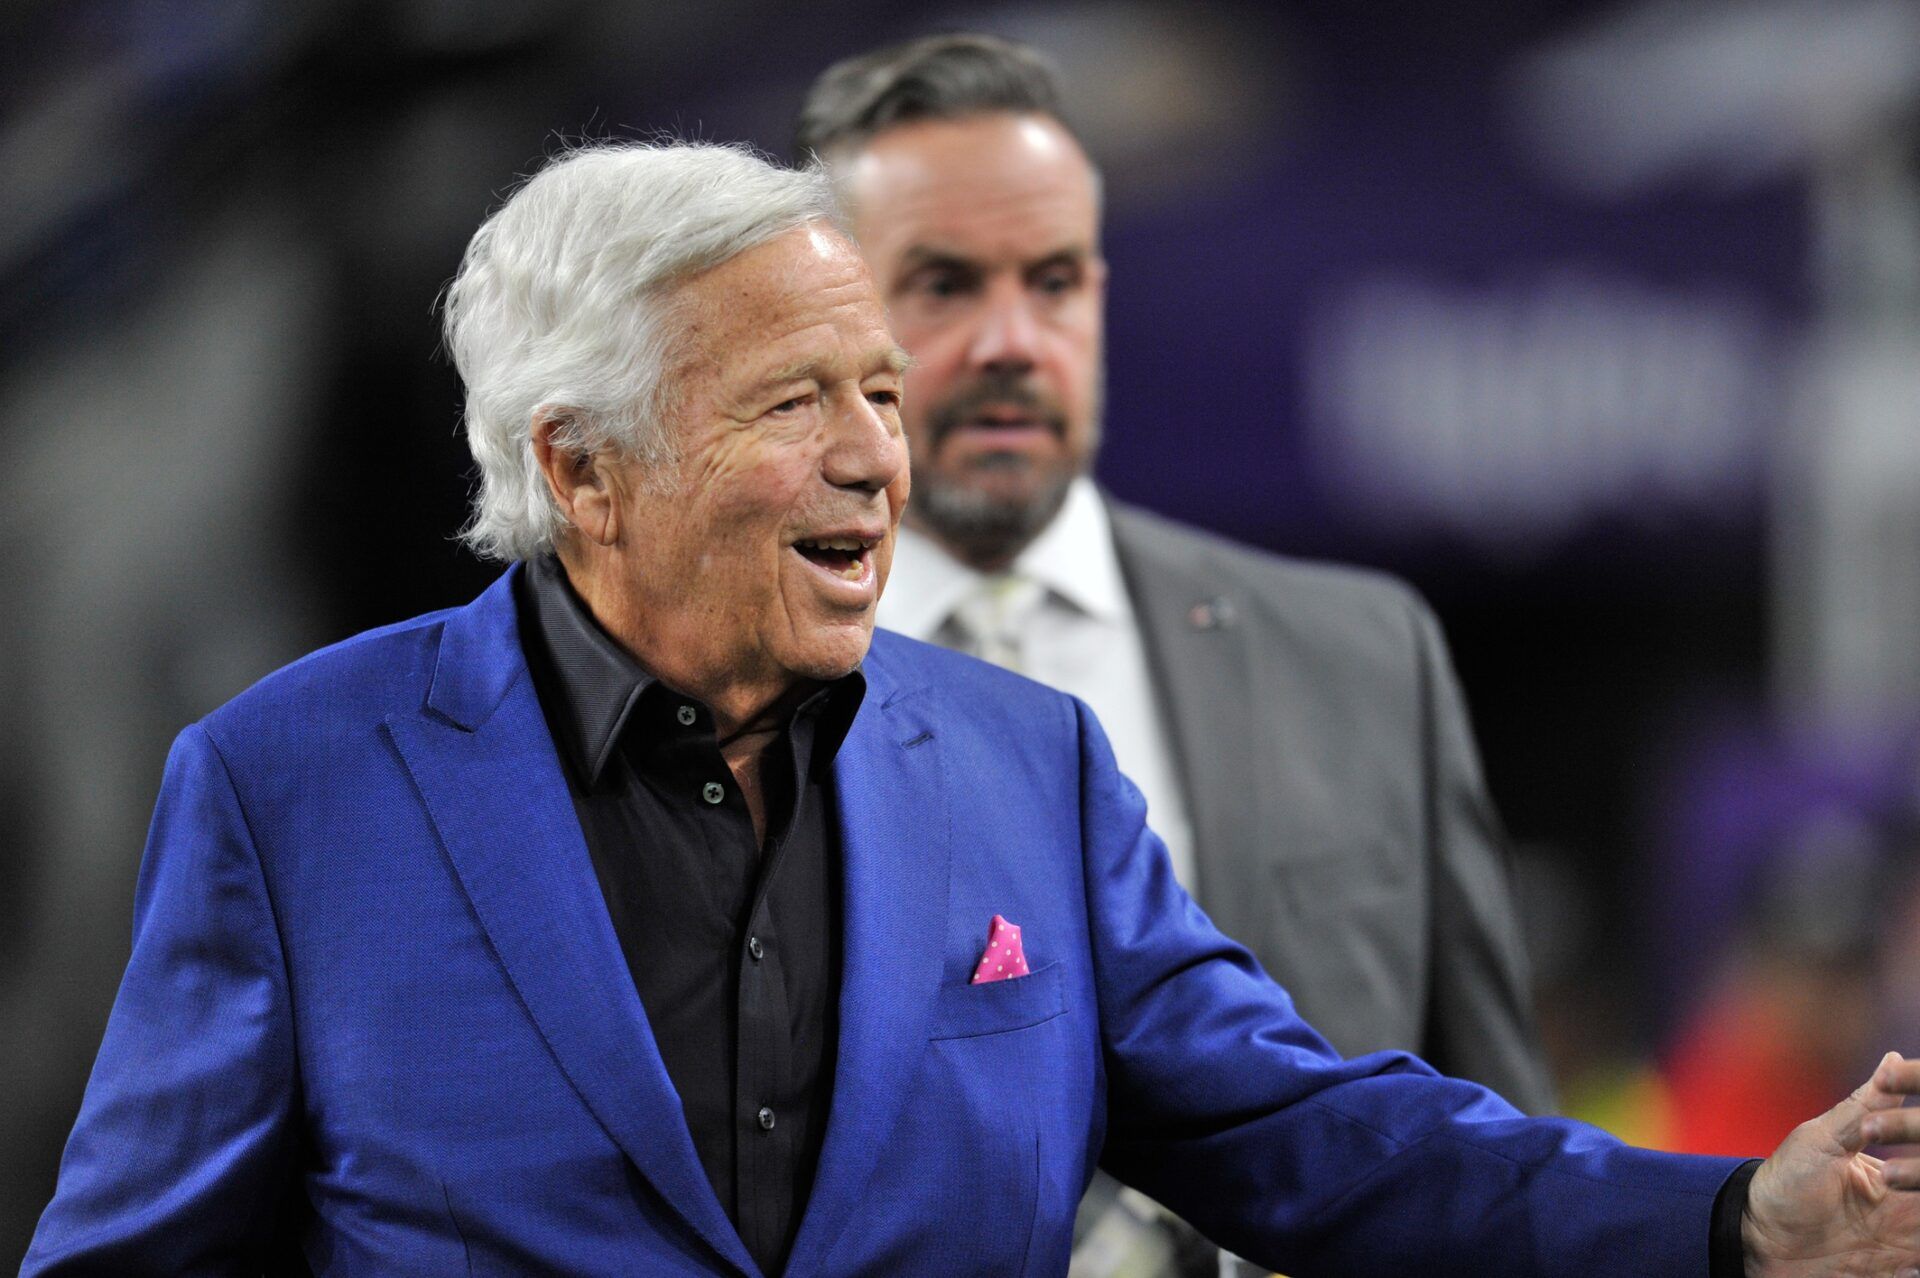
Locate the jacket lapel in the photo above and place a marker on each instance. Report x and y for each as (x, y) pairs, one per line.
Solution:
(894, 841)
(1196, 635)
(485, 765)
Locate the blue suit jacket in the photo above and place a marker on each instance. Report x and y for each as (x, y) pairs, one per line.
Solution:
(376, 1011)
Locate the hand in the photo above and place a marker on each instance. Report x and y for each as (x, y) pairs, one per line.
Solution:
(1822, 1207)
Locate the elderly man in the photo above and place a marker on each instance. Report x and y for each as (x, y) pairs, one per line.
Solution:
(640, 918)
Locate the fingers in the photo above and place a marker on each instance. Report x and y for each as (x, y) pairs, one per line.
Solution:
(1900, 1173)
(1891, 1127)
(1894, 1079)
(1885, 1121)
(1872, 1115)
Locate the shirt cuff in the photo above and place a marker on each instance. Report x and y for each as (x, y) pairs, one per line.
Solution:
(1726, 1255)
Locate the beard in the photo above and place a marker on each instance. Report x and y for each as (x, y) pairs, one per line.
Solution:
(987, 524)
(986, 529)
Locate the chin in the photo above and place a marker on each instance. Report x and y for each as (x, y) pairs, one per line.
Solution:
(833, 654)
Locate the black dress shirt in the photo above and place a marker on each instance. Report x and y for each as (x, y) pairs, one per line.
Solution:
(732, 941)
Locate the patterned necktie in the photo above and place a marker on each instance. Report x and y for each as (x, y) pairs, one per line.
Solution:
(991, 622)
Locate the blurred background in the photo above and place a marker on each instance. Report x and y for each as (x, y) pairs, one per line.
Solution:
(1600, 322)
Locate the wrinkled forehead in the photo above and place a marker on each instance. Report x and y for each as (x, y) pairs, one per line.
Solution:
(806, 296)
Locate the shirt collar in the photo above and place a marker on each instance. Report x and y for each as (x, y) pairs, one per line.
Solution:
(1073, 557)
(590, 686)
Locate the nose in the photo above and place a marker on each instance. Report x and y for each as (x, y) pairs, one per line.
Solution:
(866, 450)
(1008, 335)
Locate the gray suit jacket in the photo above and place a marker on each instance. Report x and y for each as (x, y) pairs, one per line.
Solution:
(1342, 829)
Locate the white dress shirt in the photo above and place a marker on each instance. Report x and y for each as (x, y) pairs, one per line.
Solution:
(1077, 633)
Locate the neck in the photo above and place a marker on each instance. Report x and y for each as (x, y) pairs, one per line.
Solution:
(745, 747)
(743, 715)
(674, 646)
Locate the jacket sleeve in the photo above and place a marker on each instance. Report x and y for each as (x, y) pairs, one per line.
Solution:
(1223, 1104)
(1480, 1022)
(181, 1150)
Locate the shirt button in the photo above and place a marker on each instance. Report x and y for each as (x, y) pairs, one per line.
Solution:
(713, 792)
(766, 1119)
(686, 715)
(755, 948)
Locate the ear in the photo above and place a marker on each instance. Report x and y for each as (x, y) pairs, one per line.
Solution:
(583, 484)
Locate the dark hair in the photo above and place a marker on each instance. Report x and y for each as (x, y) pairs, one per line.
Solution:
(939, 77)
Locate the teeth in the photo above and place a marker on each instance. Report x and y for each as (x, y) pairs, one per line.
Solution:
(855, 569)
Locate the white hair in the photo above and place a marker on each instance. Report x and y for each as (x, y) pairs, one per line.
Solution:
(561, 308)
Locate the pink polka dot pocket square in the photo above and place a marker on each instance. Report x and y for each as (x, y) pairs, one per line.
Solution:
(1003, 959)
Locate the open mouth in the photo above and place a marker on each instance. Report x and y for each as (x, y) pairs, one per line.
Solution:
(844, 557)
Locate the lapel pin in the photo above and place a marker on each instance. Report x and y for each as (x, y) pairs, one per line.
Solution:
(1217, 613)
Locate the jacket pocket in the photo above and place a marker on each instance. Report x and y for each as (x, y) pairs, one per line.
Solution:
(998, 1007)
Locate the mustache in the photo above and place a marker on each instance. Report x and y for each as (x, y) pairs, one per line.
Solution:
(994, 389)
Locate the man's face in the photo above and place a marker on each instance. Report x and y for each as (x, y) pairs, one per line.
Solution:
(762, 550)
(983, 233)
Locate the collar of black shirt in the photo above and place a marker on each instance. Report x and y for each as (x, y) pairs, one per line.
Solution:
(594, 691)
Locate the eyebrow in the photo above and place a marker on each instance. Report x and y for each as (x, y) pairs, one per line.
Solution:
(895, 359)
(921, 255)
